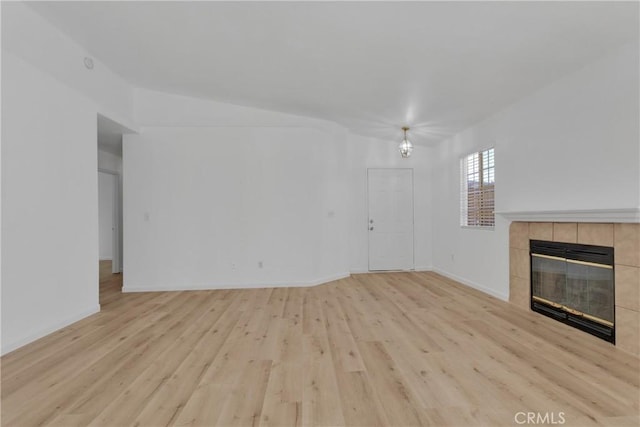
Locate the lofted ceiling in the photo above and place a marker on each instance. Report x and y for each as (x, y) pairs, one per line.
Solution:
(370, 66)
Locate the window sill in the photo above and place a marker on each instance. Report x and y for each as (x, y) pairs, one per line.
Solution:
(478, 227)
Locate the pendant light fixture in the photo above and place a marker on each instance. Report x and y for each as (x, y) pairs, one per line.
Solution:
(405, 147)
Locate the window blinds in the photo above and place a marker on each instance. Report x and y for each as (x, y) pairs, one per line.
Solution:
(477, 196)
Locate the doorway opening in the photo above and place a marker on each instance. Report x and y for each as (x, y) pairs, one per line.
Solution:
(110, 215)
(109, 235)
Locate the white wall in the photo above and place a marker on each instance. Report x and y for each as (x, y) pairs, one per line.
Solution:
(203, 206)
(573, 145)
(584, 130)
(211, 190)
(364, 153)
(49, 190)
(49, 176)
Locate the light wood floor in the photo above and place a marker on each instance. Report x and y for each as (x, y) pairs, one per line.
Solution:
(398, 349)
(110, 285)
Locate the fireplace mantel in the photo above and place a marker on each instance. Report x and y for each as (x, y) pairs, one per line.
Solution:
(626, 215)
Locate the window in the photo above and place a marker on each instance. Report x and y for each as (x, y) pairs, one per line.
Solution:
(477, 179)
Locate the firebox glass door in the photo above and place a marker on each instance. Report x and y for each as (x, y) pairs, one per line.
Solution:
(549, 279)
(585, 287)
(574, 284)
(589, 290)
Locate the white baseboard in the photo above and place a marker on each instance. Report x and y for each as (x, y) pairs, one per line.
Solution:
(472, 284)
(168, 287)
(49, 329)
(360, 271)
(327, 279)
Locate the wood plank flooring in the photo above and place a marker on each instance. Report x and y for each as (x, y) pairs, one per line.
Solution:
(396, 349)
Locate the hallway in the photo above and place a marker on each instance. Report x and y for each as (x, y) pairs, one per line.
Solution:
(110, 284)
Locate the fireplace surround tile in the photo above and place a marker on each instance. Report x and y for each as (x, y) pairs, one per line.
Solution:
(627, 244)
(628, 287)
(520, 267)
(540, 231)
(566, 232)
(595, 234)
(519, 292)
(628, 330)
(519, 235)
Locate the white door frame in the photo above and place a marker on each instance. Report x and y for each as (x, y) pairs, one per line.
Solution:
(115, 233)
(413, 214)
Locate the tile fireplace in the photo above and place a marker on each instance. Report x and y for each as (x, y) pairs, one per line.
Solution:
(624, 238)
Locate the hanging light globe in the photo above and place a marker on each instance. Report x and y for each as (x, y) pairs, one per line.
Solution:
(405, 147)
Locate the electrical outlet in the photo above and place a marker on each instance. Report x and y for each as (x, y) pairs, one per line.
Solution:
(259, 264)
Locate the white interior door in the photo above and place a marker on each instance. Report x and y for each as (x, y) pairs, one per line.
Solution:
(390, 219)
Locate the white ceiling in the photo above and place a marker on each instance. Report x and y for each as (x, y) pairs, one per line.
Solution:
(372, 67)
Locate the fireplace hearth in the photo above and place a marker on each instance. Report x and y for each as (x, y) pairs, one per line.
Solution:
(574, 284)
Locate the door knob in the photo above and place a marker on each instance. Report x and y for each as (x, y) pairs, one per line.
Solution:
(370, 228)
